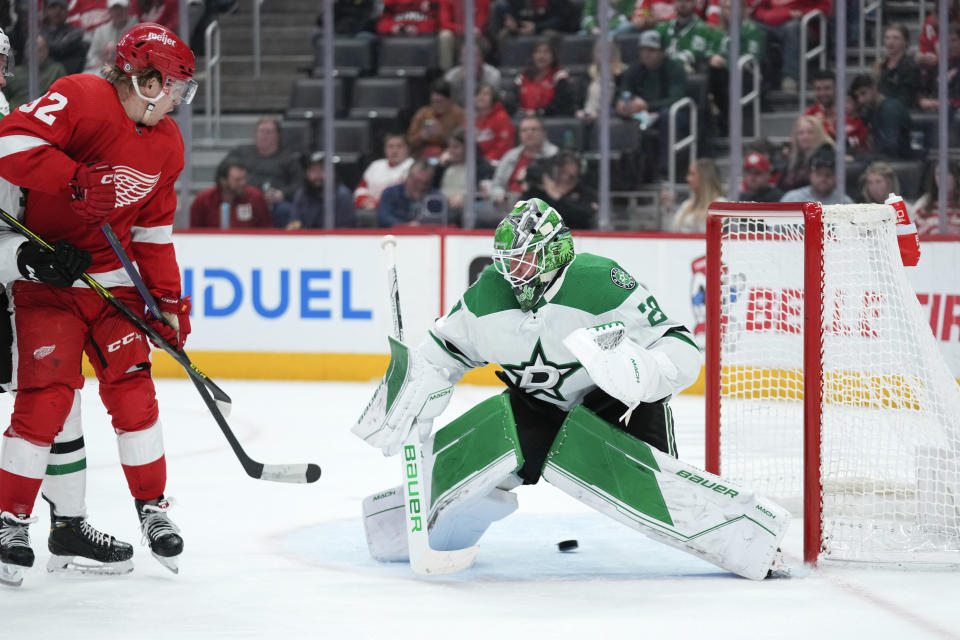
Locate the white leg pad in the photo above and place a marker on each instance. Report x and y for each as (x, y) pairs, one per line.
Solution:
(454, 526)
(665, 498)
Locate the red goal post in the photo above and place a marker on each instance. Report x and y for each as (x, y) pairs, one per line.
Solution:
(824, 387)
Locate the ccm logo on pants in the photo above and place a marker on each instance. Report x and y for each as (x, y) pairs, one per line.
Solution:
(127, 339)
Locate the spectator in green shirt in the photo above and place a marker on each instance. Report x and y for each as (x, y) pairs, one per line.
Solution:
(621, 13)
(687, 37)
(649, 87)
(753, 41)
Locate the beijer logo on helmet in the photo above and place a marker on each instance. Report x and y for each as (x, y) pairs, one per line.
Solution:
(162, 37)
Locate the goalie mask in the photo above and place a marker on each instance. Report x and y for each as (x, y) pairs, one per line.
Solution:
(530, 247)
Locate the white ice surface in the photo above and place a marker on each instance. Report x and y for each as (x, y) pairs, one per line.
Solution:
(266, 560)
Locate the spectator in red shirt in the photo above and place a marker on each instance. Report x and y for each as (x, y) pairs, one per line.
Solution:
(495, 130)
(824, 109)
(781, 20)
(419, 18)
(543, 88)
(165, 12)
(245, 206)
(928, 47)
(926, 211)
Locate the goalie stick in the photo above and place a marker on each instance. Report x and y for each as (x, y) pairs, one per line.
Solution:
(215, 398)
(423, 558)
(276, 472)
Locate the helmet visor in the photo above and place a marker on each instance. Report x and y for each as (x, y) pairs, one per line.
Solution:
(181, 91)
(7, 63)
(519, 266)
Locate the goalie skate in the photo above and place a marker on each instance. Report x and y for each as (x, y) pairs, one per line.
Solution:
(159, 532)
(779, 567)
(16, 556)
(77, 547)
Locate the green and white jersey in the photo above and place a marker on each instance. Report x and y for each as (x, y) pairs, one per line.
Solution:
(10, 196)
(487, 325)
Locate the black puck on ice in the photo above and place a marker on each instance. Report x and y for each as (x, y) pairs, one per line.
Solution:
(567, 545)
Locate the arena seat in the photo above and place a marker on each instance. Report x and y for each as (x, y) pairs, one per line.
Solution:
(306, 99)
(407, 57)
(352, 57)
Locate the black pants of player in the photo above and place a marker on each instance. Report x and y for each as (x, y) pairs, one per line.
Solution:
(539, 422)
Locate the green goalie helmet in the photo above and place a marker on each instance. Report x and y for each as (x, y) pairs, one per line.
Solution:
(530, 247)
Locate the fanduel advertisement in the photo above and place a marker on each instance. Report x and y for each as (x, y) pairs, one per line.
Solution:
(303, 293)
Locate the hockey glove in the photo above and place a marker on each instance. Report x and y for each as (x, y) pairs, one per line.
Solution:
(60, 267)
(907, 238)
(412, 393)
(176, 325)
(94, 192)
(620, 366)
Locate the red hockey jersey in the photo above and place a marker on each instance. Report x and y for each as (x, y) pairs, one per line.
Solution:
(80, 120)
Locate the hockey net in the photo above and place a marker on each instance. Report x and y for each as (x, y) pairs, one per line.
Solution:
(851, 416)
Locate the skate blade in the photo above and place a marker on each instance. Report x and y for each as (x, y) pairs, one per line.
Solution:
(85, 566)
(11, 574)
(169, 563)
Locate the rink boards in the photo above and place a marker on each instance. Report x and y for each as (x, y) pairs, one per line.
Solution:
(313, 306)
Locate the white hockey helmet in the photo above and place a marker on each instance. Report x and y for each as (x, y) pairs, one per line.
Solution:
(7, 54)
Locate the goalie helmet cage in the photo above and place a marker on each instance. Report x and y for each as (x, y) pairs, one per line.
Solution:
(825, 386)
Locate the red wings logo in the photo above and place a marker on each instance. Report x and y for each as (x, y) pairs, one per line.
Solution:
(132, 185)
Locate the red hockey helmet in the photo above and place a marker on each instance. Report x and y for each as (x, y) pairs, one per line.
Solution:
(149, 45)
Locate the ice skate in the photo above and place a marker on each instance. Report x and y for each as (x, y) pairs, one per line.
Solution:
(159, 532)
(15, 553)
(75, 546)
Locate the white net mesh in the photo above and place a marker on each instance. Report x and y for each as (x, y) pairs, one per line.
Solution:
(891, 408)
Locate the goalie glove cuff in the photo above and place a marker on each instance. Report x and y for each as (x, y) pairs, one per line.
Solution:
(411, 394)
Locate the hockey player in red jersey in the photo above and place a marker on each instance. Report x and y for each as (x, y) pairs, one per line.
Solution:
(94, 150)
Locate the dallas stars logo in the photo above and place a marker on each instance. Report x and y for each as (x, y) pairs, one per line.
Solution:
(540, 376)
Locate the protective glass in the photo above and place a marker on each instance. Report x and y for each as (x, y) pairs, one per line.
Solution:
(182, 90)
(7, 64)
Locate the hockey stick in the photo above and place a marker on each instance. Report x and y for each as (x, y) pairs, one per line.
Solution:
(423, 559)
(221, 398)
(276, 472)
(279, 473)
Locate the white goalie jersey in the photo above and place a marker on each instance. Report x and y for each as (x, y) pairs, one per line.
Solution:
(486, 325)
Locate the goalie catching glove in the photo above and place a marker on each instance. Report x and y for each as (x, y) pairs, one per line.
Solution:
(620, 366)
(412, 393)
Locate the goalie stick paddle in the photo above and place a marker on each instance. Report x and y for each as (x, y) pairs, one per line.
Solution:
(274, 472)
(424, 559)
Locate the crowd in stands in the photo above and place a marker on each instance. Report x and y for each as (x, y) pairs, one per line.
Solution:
(80, 36)
(537, 101)
(530, 84)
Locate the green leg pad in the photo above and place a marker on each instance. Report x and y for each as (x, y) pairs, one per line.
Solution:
(663, 497)
(610, 462)
(476, 444)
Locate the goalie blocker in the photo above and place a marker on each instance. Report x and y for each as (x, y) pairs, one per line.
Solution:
(472, 464)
